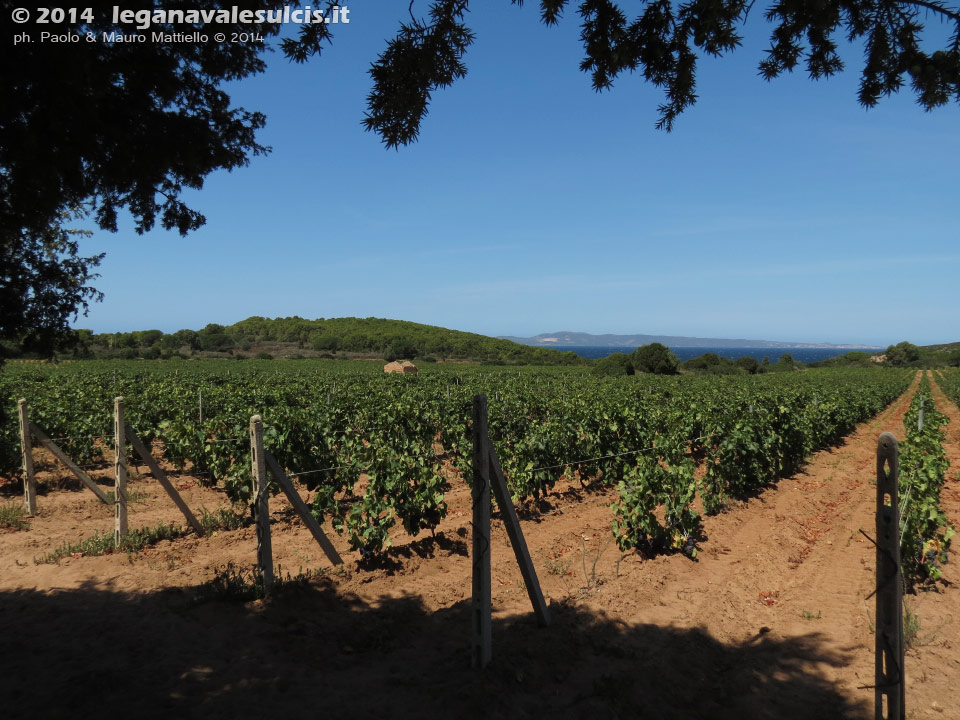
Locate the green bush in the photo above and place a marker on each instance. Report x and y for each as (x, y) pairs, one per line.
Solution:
(725, 368)
(400, 350)
(326, 342)
(614, 364)
(902, 353)
(702, 362)
(655, 358)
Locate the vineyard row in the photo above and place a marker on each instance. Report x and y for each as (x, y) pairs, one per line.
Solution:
(380, 451)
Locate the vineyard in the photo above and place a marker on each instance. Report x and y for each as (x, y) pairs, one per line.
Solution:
(705, 529)
(925, 531)
(949, 380)
(375, 449)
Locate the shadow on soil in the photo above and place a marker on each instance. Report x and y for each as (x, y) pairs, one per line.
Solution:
(310, 652)
(391, 561)
(62, 481)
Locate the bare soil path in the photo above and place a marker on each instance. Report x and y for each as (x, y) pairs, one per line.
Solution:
(770, 622)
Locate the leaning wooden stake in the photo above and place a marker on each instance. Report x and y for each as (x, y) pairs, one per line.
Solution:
(302, 510)
(62, 457)
(26, 449)
(889, 700)
(481, 604)
(120, 528)
(510, 519)
(161, 478)
(261, 507)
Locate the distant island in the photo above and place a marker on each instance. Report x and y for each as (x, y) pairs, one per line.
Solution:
(569, 339)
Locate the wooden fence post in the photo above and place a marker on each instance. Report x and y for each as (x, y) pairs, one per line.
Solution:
(120, 528)
(26, 449)
(261, 506)
(889, 700)
(481, 603)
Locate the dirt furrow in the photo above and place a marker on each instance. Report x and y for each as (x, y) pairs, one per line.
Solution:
(791, 561)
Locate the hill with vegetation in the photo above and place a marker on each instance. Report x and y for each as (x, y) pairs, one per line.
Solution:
(903, 354)
(299, 337)
(944, 347)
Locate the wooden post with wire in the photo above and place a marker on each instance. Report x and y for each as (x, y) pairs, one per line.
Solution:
(481, 602)
(261, 506)
(889, 685)
(488, 475)
(120, 527)
(26, 450)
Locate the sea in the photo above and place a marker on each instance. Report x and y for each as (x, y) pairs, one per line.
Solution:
(800, 354)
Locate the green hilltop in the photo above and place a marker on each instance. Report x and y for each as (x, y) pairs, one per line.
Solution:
(323, 337)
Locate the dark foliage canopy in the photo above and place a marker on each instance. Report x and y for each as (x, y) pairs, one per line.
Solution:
(664, 40)
(42, 281)
(106, 126)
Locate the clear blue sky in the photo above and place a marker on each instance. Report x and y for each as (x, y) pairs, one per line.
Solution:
(781, 211)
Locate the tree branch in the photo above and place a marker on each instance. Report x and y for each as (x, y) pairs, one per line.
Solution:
(934, 6)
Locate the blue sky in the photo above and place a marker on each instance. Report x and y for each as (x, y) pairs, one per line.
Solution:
(780, 211)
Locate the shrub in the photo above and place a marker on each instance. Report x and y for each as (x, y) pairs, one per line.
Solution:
(400, 350)
(326, 342)
(902, 353)
(655, 358)
(702, 362)
(614, 364)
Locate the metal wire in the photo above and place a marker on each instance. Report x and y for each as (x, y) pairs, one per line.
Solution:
(350, 465)
(313, 472)
(81, 437)
(903, 517)
(94, 466)
(463, 467)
